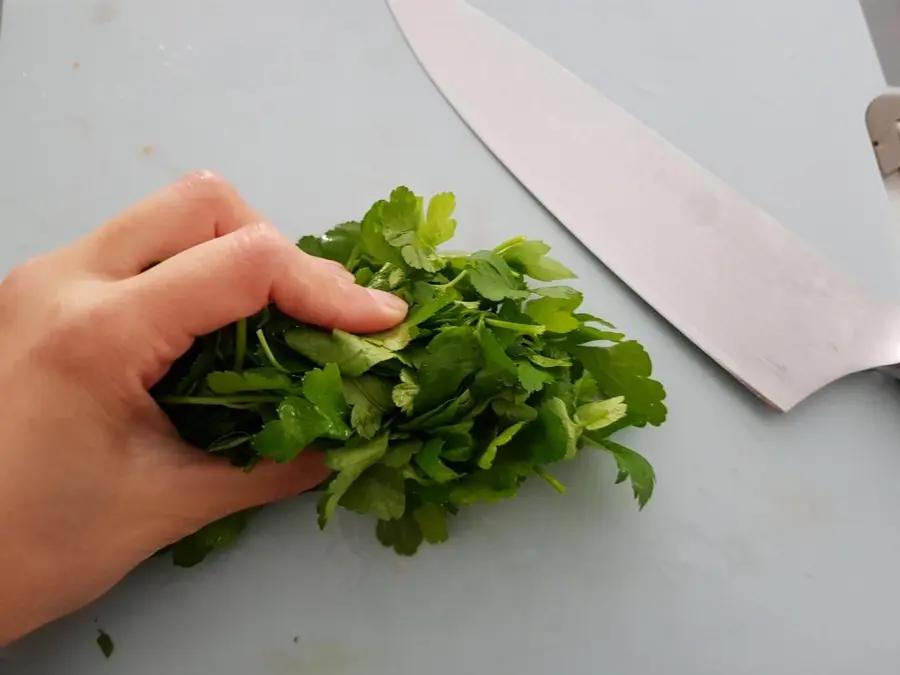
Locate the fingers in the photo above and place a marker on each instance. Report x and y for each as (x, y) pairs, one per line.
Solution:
(220, 281)
(212, 488)
(199, 207)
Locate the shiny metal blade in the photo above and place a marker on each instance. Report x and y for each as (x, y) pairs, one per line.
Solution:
(883, 19)
(773, 312)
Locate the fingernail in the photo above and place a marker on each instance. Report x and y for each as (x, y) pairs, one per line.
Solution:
(390, 303)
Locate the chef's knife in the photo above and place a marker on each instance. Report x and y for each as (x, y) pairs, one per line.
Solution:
(776, 314)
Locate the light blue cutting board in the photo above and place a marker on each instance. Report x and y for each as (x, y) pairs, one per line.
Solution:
(771, 545)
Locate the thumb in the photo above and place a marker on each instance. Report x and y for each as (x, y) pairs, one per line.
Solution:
(210, 487)
(231, 277)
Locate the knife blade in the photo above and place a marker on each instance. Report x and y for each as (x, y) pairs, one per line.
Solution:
(883, 19)
(768, 308)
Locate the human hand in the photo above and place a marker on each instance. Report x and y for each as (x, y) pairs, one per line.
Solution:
(93, 478)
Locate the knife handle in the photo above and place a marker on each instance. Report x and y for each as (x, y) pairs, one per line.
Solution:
(891, 371)
(883, 124)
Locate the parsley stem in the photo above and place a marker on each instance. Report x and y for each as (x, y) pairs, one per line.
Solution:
(455, 280)
(559, 487)
(526, 328)
(353, 259)
(240, 344)
(268, 351)
(219, 400)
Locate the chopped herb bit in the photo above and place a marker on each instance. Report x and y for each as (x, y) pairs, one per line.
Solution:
(104, 641)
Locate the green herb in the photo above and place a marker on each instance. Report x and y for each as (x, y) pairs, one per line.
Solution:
(219, 534)
(104, 641)
(491, 379)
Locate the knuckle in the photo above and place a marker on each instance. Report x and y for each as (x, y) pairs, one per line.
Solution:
(75, 323)
(212, 199)
(209, 183)
(21, 281)
(202, 179)
(208, 188)
(260, 257)
(72, 317)
(261, 244)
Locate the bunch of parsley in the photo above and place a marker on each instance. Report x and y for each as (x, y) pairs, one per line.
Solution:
(488, 381)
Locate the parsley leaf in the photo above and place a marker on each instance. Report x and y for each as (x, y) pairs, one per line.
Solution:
(453, 355)
(349, 462)
(325, 390)
(219, 534)
(370, 398)
(486, 461)
(529, 258)
(531, 378)
(497, 362)
(338, 244)
(631, 466)
(401, 335)
(353, 355)
(432, 521)
(487, 383)
(405, 392)
(624, 369)
(439, 226)
(401, 223)
(403, 535)
(379, 490)
(556, 436)
(493, 278)
(429, 460)
(299, 423)
(598, 414)
(554, 309)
